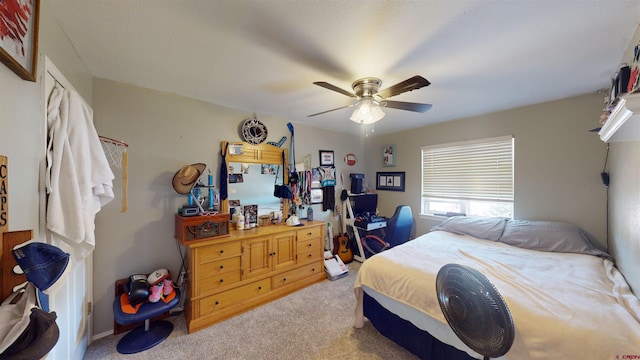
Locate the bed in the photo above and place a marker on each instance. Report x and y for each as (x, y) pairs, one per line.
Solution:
(566, 297)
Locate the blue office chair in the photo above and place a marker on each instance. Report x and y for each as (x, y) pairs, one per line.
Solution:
(399, 226)
(398, 231)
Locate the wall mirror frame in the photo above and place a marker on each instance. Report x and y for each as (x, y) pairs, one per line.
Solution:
(243, 152)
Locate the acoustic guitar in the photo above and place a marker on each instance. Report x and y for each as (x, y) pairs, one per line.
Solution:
(341, 243)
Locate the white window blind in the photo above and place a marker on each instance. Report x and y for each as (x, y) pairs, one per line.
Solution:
(475, 170)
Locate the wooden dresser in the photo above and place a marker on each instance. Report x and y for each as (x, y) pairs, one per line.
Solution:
(230, 275)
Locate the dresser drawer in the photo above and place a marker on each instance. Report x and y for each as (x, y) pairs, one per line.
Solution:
(234, 296)
(214, 275)
(216, 282)
(309, 256)
(308, 245)
(218, 251)
(309, 233)
(292, 276)
(215, 268)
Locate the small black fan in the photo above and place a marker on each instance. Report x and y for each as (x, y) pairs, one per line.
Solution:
(475, 310)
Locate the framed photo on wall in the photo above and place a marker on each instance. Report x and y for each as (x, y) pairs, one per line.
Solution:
(326, 158)
(389, 155)
(316, 196)
(19, 38)
(391, 181)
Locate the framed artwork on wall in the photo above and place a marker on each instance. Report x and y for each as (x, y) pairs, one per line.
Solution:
(316, 196)
(389, 155)
(19, 37)
(326, 158)
(391, 181)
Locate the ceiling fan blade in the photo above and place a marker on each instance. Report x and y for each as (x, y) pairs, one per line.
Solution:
(326, 85)
(410, 84)
(402, 105)
(324, 112)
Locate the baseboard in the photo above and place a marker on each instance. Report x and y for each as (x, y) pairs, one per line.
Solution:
(101, 335)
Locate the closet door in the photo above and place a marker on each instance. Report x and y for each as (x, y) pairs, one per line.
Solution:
(73, 298)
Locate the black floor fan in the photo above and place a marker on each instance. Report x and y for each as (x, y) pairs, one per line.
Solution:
(475, 311)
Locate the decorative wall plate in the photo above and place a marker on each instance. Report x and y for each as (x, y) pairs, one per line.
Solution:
(254, 131)
(350, 159)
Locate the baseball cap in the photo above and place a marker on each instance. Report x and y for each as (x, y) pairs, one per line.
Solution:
(43, 264)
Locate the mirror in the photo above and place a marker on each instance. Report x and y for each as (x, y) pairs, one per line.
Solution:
(252, 184)
(252, 174)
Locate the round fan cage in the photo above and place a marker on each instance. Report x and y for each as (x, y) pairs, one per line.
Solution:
(475, 311)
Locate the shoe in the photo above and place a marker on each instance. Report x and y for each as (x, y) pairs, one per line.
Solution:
(156, 292)
(167, 288)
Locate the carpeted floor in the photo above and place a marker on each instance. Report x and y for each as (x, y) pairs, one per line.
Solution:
(313, 323)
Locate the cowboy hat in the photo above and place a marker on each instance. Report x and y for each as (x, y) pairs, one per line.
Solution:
(187, 177)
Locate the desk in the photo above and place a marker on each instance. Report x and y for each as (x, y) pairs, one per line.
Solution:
(359, 231)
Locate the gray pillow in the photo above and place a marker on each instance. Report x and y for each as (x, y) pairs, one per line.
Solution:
(550, 236)
(480, 227)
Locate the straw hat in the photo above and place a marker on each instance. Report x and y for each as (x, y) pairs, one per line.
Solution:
(187, 177)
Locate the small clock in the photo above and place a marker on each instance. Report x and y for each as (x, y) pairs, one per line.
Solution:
(254, 131)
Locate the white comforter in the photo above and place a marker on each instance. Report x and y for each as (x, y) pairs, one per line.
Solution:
(564, 306)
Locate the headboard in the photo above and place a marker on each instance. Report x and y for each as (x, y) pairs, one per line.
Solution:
(8, 278)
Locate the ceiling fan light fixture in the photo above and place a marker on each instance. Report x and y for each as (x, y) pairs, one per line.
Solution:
(367, 111)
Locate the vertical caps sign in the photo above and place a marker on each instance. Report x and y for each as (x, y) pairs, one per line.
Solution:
(4, 194)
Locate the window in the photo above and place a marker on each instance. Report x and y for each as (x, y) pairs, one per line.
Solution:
(473, 178)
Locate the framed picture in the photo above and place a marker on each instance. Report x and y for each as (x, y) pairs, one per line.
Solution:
(19, 38)
(391, 181)
(389, 155)
(268, 169)
(316, 196)
(326, 158)
(315, 177)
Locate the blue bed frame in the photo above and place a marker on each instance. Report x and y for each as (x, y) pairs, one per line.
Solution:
(407, 335)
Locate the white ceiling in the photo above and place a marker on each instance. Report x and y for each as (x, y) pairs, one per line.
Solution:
(262, 56)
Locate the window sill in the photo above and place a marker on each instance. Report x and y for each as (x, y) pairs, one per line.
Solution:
(432, 217)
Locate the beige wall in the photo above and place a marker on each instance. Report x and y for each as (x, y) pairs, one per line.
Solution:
(624, 209)
(165, 132)
(624, 198)
(557, 161)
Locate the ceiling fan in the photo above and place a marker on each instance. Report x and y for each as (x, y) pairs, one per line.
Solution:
(370, 100)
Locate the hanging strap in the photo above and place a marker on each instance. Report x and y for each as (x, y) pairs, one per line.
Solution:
(293, 148)
(275, 182)
(223, 172)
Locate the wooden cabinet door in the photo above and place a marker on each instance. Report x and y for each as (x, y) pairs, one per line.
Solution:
(284, 250)
(256, 259)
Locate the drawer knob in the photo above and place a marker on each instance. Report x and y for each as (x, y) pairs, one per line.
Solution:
(217, 302)
(309, 234)
(222, 251)
(284, 279)
(309, 256)
(259, 287)
(309, 245)
(313, 269)
(221, 280)
(221, 266)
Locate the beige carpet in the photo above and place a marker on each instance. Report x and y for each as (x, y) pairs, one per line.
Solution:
(313, 323)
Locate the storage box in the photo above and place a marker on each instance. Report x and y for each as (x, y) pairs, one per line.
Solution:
(198, 228)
